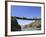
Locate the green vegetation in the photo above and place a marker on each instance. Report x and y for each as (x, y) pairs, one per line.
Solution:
(14, 24)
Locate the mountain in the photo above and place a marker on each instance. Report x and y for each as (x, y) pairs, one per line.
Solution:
(34, 24)
(14, 24)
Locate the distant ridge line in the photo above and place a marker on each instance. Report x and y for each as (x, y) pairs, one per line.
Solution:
(23, 18)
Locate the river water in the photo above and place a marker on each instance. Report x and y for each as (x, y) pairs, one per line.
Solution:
(29, 28)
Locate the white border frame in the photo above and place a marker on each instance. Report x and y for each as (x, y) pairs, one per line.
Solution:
(24, 32)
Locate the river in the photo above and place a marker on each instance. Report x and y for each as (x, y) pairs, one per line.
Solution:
(29, 28)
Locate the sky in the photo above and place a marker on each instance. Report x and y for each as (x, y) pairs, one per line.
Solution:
(25, 11)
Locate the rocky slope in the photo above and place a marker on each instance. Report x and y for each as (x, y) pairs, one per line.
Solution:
(34, 24)
(14, 24)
